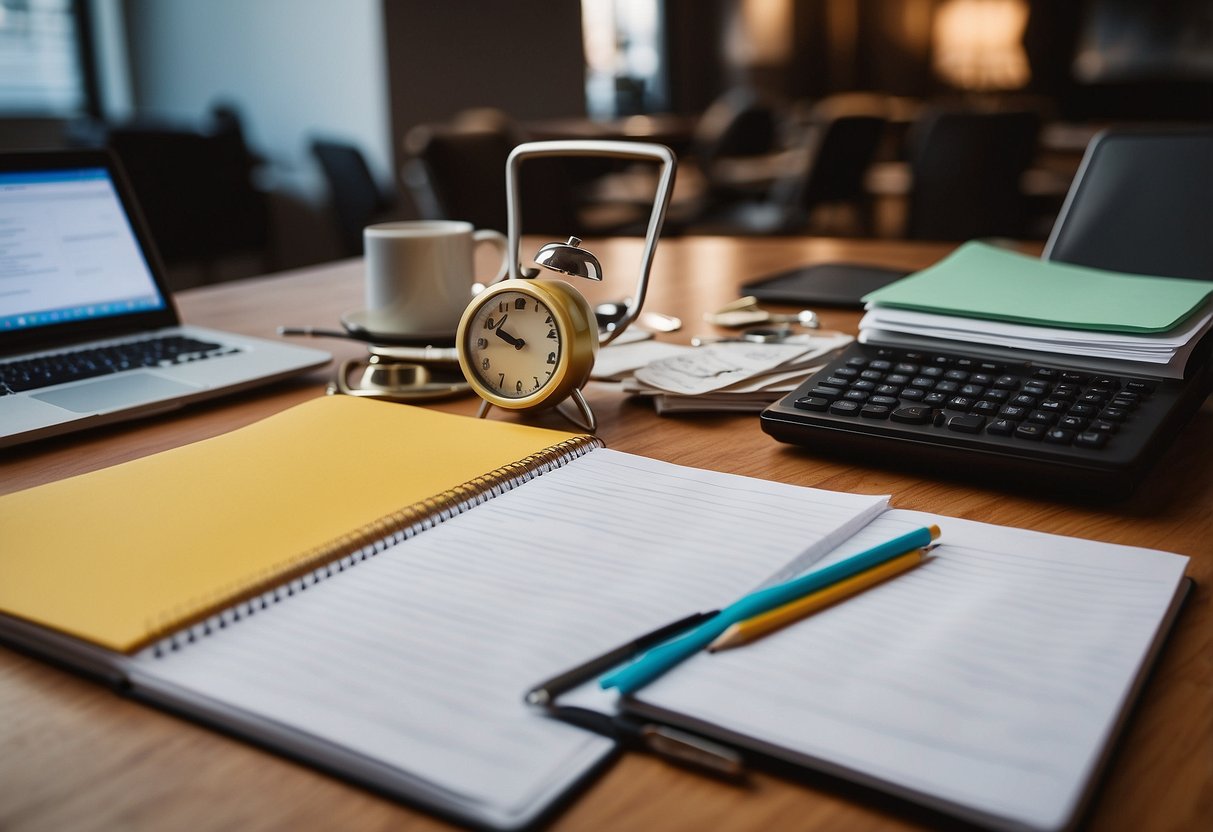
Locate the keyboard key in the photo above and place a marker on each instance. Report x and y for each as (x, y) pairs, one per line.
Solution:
(887, 401)
(1059, 436)
(1140, 387)
(1101, 426)
(985, 407)
(1002, 427)
(972, 390)
(1042, 417)
(1007, 382)
(931, 372)
(1083, 410)
(1106, 381)
(959, 403)
(984, 379)
(1045, 372)
(857, 361)
(1053, 406)
(855, 396)
(1033, 389)
(836, 381)
(906, 367)
(897, 378)
(887, 389)
(913, 414)
(880, 363)
(1024, 400)
(1072, 423)
(811, 403)
(864, 385)
(967, 424)
(998, 395)
(1013, 412)
(956, 375)
(1028, 430)
(844, 408)
(922, 383)
(913, 394)
(1113, 414)
(935, 399)
(851, 372)
(826, 392)
(875, 411)
(1091, 439)
(947, 386)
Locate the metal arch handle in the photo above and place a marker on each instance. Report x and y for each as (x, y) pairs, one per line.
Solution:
(611, 150)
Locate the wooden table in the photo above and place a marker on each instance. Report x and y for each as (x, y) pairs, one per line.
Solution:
(73, 755)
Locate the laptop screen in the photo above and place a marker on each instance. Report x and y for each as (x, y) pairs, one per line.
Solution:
(68, 253)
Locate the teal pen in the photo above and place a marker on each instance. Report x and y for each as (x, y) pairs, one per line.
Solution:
(657, 661)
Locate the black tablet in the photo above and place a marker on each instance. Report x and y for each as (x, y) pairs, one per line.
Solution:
(824, 284)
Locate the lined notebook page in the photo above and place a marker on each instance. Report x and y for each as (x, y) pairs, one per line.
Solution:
(987, 679)
(419, 657)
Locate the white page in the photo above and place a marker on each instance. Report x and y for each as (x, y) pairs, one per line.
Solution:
(420, 656)
(988, 678)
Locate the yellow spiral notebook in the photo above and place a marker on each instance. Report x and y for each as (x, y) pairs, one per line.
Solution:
(132, 553)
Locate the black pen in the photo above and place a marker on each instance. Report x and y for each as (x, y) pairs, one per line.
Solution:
(545, 692)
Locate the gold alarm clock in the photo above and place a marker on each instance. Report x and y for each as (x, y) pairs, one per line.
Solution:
(529, 343)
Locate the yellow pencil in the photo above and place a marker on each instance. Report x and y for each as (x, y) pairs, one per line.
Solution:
(746, 631)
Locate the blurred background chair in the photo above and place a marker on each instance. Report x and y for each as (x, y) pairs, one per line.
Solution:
(198, 194)
(826, 168)
(457, 171)
(356, 199)
(965, 174)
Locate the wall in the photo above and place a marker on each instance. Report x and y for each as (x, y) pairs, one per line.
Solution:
(524, 57)
(294, 68)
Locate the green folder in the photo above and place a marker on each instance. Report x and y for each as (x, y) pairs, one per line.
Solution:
(981, 281)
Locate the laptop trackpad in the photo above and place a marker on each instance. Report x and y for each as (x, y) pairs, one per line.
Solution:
(116, 393)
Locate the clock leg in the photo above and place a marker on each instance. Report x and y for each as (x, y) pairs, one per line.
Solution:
(485, 407)
(583, 416)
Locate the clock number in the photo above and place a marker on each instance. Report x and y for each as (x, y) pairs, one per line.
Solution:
(520, 303)
(482, 343)
(549, 320)
(484, 364)
(502, 307)
(551, 358)
(552, 334)
(501, 379)
(489, 323)
(536, 381)
(518, 386)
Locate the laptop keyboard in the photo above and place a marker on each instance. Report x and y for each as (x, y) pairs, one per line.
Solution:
(59, 368)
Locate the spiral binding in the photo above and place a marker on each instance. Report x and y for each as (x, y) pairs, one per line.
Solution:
(284, 580)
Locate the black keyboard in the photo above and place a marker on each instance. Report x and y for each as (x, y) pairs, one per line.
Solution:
(1047, 427)
(58, 368)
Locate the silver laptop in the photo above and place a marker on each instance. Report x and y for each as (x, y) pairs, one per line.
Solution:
(88, 331)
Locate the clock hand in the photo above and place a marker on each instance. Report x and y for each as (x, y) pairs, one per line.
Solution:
(518, 343)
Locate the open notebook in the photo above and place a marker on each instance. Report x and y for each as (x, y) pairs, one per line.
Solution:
(380, 613)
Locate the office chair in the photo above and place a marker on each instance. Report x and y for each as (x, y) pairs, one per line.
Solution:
(834, 154)
(965, 172)
(356, 198)
(1143, 203)
(458, 173)
(197, 192)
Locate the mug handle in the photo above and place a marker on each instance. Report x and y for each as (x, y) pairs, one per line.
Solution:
(498, 239)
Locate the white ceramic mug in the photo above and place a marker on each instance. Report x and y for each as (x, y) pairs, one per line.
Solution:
(419, 274)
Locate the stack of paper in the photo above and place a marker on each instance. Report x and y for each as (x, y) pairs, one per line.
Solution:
(985, 296)
(732, 375)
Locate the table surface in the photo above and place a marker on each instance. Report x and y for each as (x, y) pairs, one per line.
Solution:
(77, 756)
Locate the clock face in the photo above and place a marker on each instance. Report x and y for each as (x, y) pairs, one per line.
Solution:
(513, 344)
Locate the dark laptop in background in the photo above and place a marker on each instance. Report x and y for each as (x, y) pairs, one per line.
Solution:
(88, 330)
